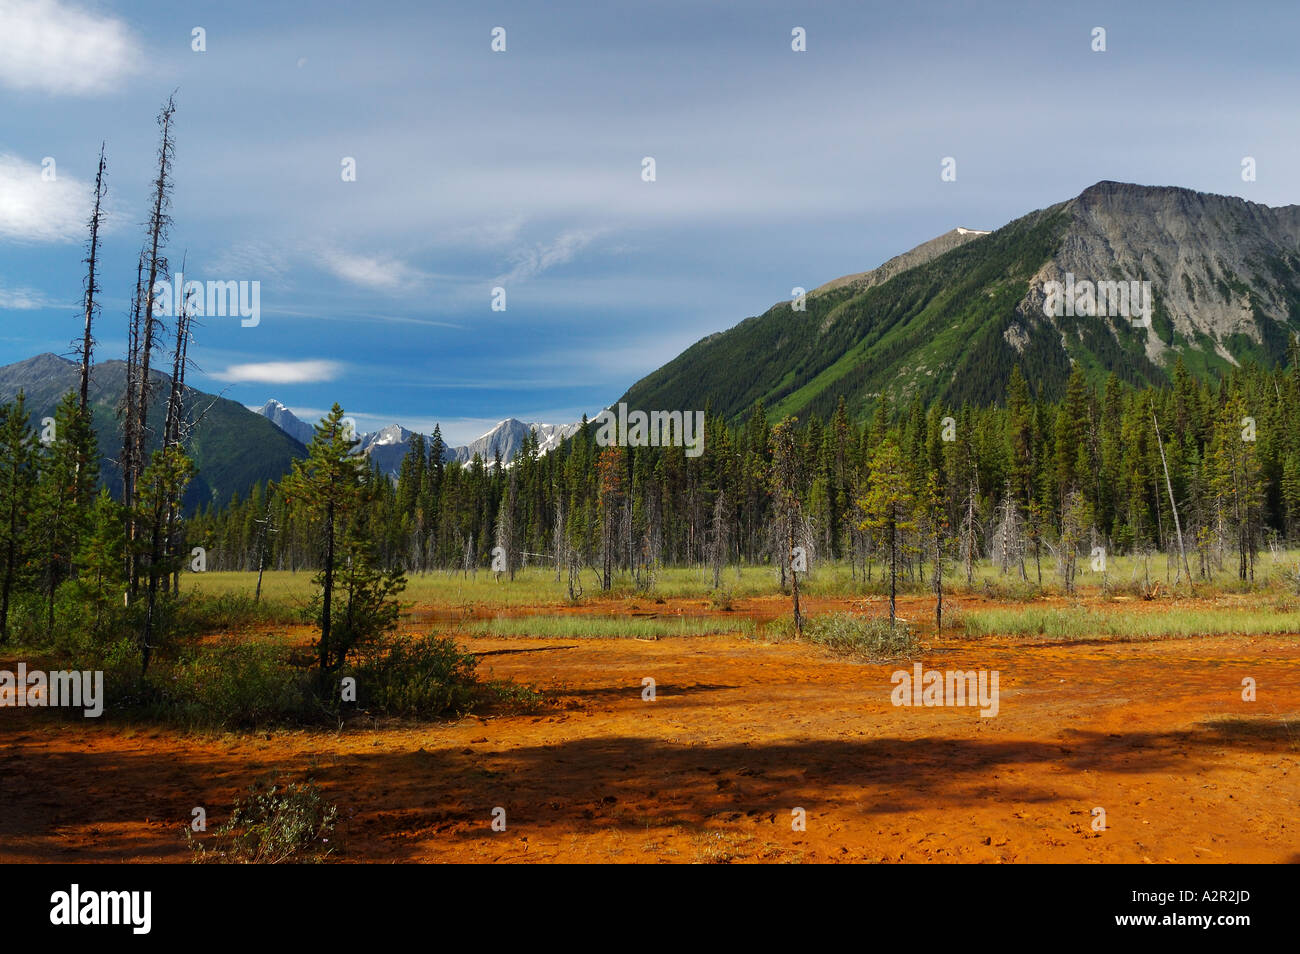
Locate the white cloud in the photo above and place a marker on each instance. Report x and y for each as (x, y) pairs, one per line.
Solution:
(58, 48)
(280, 372)
(490, 234)
(253, 259)
(25, 299)
(35, 209)
(531, 262)
(386, 274)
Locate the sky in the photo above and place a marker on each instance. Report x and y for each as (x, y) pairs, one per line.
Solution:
(523, 169)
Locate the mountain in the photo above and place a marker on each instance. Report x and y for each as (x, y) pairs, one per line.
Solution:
(389, 445)
(950, 318)
(386, 447)
(508, 437)
(284, 419)
(232, 447)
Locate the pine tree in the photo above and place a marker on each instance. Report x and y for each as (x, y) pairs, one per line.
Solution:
(788, 472)
(889, 509)
(327, 485)
(17, 477)
(161, 487)
(99, 567)
(63, 485)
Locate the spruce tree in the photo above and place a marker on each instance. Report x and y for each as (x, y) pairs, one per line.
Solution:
(17, 477)
(327, 485)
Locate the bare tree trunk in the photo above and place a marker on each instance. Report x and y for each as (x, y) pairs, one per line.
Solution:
(158, 223)
(327, 594)
(129, 465)
(893, 571)
(968, 534)
(558, 539)
(1178, 527)
(794, 576)
(92, 286)
(938, 581)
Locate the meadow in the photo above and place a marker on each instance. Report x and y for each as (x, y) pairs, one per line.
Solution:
(676, 723)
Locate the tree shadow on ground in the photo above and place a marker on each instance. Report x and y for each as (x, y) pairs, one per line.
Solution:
(88, 805)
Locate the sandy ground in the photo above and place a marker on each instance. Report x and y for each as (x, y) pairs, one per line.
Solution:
(740, 733)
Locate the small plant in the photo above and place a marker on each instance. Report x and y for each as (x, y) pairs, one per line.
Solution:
(272, 824)
(416, 676)
(867, 637)
(514, 697)
(720, 599)
(236, 684)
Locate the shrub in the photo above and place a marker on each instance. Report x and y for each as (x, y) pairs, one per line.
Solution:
(866, 637)
(416, 676)
(720, 599)
(273, 824)
(514, 696)
(234, 685)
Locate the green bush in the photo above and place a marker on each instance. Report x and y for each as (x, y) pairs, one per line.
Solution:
(514, 696)
(273, 824)
(720, 599)
(234, 685)
(415, 676)
(866, 637)
(27, 620)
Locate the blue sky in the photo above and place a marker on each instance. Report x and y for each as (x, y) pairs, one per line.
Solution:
(522, 169)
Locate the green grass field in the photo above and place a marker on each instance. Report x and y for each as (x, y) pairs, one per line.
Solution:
(537, 586)
(1077, 622)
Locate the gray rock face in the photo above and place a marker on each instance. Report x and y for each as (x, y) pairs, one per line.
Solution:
(901, 263)
(285, 420)
(1219, 267)
(509, 436)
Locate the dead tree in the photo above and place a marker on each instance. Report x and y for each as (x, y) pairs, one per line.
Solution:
(719, 538)
(127, 410)
(92, 285)
(173, 432)
(152, 326)
(787, 480)
(1178, 527)
(559, 538)
(968, 539)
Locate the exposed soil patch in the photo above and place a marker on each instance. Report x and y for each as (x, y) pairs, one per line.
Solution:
(740, 733)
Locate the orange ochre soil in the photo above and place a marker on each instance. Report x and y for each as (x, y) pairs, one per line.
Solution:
(740, 733)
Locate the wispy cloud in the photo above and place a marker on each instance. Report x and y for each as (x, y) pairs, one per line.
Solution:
(39, 209)
(373, 271)
(25, 299)
(360, 318)
(252, 259)
(280, 372)
(489, 234)
(55, 47)
(531, 262)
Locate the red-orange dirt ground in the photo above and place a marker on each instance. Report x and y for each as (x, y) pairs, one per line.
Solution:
(741, 732)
